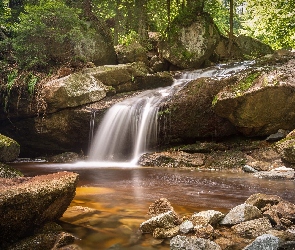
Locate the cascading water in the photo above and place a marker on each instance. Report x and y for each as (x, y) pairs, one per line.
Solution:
(130, 128)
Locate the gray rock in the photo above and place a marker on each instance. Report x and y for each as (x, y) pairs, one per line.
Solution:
(264, 242)
(241, 213)
(253, 228)
(186, 226)
(192, 243)
(249, 169)
(211, 217)
(277, 173)
(277, 136)
(164, 220)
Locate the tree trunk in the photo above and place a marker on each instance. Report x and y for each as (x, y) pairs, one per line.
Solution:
(141, 11)
(231, 27)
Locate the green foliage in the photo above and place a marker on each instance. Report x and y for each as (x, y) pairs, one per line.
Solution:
(273, 22)
(12, 76)
(32, 81)
(46, 34)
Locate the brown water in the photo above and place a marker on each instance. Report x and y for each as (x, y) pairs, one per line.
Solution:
(122, 197)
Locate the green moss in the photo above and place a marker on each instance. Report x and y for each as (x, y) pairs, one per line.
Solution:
(9, 172)
(245, 84)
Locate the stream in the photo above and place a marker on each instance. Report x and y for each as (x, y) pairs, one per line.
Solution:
(122, 195)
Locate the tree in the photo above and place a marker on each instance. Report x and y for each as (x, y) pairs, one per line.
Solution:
(273, 22)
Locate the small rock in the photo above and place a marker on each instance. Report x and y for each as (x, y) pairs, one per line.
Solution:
(164, 220)
(186, 226)
(253, 228)
(192, 243)
(277, 173)
(241, 213)
(281, 134)
(249, 169)
(263, 242)
(261, 200)
(210, 216)
(163, 233)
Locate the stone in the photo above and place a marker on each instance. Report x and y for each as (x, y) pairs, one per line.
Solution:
(252, 47)
(241, 213)
(283, 213)
(249, 169)
(186, 226)
(281, 134)
(190, 44)
(164, 220)
(9, 172)
(9, 149)
(163, 233)
(28, 203)
(211, 217)
(262, 200)
(160, 206)
(277, 173)
(253, 228)
(192, 243)
(72, 91)
(265, 241)
(236, 102)
(286, 147)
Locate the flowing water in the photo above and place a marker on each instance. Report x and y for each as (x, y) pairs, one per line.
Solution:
(130, 128)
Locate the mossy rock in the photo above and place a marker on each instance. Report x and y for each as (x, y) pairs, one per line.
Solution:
(9, 172)
(9, 149)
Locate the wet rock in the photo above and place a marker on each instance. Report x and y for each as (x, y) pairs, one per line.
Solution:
(286, 147)
(192, 243)
(9, 172)
(241, 213)
(277, 136)
(28, 203)
(163, 233)
(263, 200)
(66, 157)
(249, 169)
(204, 231)
(282, 213)
(191, 114)
(236, 102)
(186, 226)
(172, 159)
(160, 206)
(253, 228)
(211, 217)
(265, 241)
(277, 173)
(164, 220)
(9, 149)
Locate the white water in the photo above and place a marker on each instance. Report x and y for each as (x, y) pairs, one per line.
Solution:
(130, 128)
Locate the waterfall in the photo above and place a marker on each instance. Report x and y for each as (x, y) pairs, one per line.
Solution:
(130, 128)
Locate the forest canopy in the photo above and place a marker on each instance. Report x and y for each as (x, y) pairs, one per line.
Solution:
(55, 21)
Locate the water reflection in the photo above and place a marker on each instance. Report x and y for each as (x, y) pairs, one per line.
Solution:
(122, 196)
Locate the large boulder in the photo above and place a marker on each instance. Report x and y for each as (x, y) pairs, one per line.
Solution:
(191, 42)
(9, 149)
(260, 103)
(252, 47)
(29, 203)
(190, 111)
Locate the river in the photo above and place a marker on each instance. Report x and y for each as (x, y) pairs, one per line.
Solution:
(122, 195)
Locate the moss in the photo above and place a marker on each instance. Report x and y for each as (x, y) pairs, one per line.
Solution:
(9, 172)
(245, 84)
